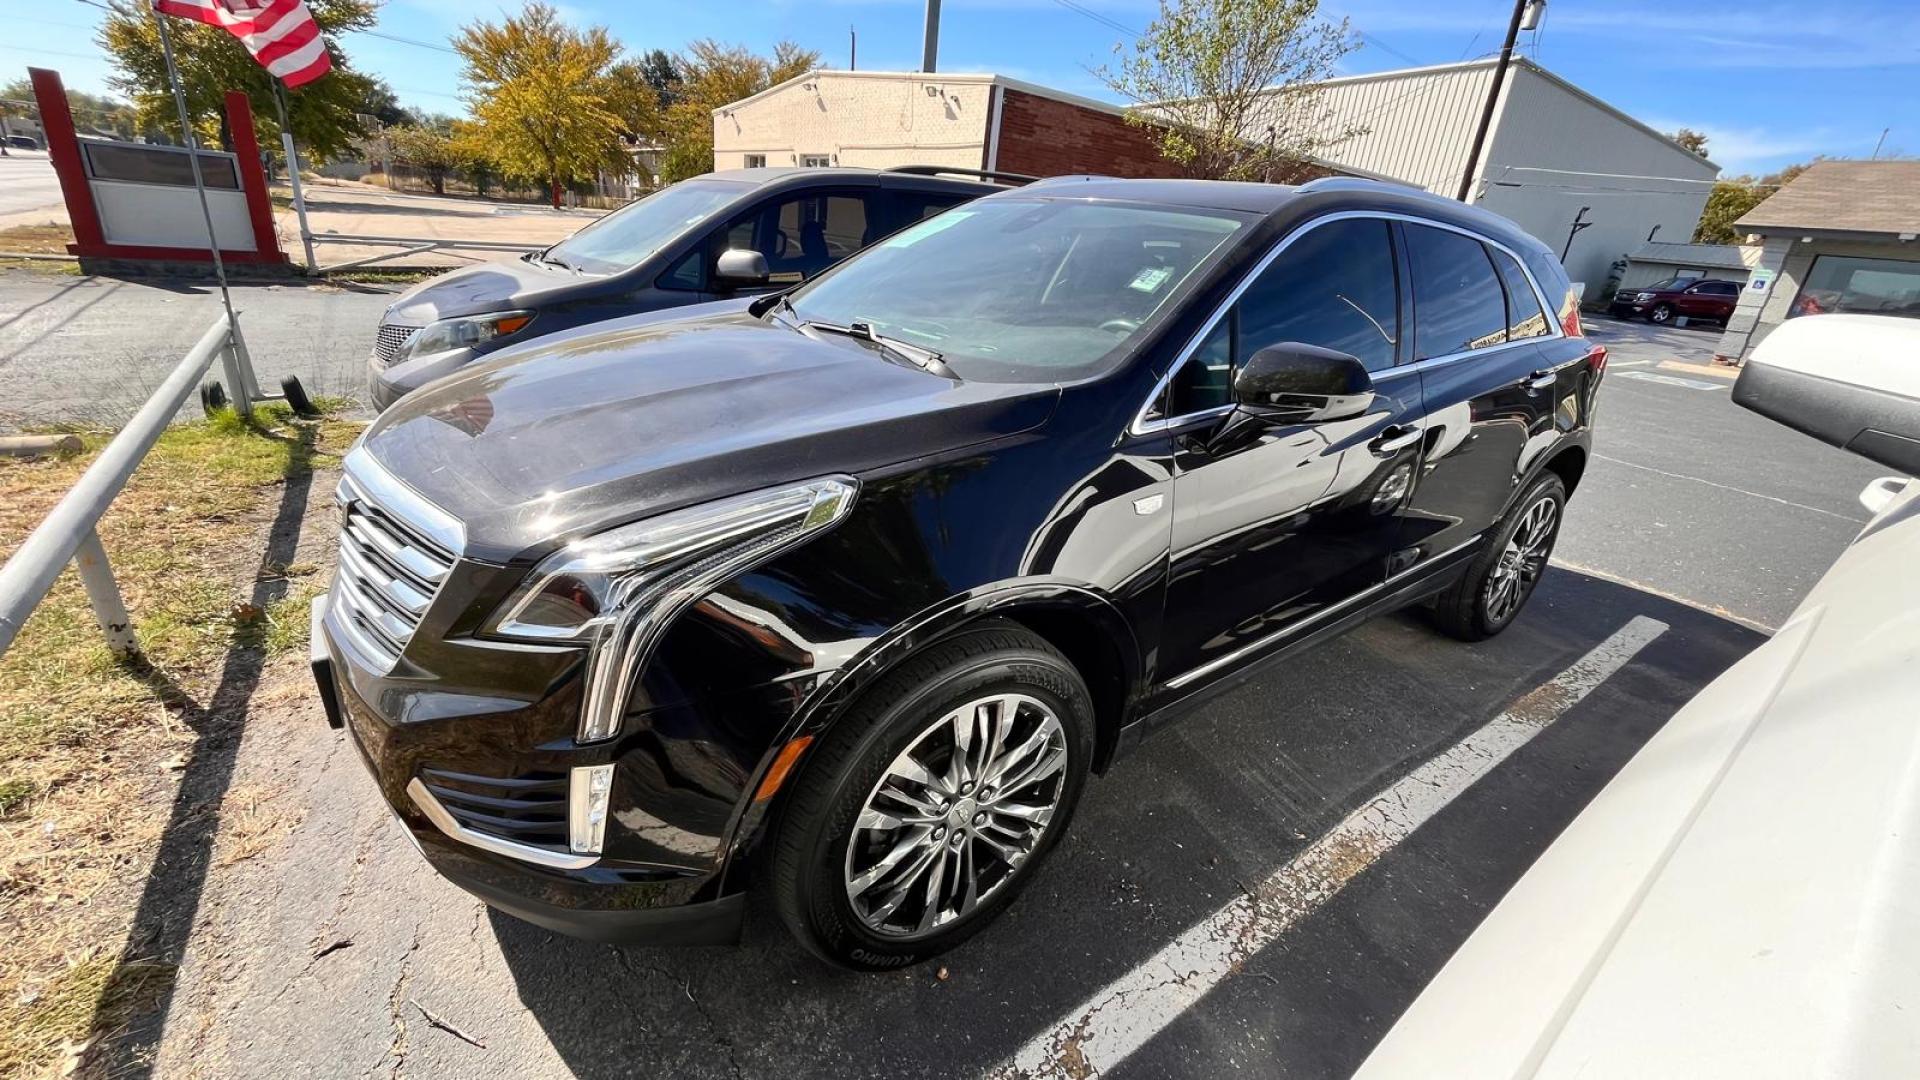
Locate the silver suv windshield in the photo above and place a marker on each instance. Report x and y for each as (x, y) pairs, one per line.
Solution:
(635, 231)
(1022, 290)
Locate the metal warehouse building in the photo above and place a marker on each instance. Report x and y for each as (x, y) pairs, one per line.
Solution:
(1551, 151)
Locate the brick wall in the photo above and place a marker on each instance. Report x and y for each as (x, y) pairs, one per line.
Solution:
(1043, 137)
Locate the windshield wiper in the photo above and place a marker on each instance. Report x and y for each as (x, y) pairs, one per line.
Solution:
(919, 356)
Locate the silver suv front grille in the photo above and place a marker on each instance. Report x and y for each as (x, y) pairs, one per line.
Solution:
(388, 339)
(388, 573)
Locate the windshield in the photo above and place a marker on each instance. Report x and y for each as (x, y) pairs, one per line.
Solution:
(630, 234)
(1022, 290)
(1670, 283)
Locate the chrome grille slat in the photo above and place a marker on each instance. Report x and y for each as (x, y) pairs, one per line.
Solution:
(387, 576)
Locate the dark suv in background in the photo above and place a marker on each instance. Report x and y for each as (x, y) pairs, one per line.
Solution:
(843, 595)
(662, 251)
(1663, 301)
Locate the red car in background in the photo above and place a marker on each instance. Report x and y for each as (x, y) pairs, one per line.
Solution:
(1661, 302)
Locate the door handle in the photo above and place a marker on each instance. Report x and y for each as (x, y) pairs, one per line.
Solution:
(1542, 379)
(1395, 439)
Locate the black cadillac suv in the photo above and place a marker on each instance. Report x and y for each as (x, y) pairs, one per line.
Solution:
(843, 596)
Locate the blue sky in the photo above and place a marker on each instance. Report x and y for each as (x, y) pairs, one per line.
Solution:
(1770, 83)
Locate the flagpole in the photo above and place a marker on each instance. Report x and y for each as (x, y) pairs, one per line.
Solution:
(293, 171)
(193, 158)
(239, 364)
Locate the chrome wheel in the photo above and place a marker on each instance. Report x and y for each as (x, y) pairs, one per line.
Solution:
(1522, 561)
(955, 814)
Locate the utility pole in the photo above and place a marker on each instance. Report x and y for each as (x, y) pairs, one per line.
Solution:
(930, 49)
(1526, 16)
(1881, 143)
(853, 50)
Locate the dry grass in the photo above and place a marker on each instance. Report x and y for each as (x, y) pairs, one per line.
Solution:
(91, 748)
(37, 239)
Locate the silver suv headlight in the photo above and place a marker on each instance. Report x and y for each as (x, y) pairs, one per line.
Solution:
(462, 333)
(618, 590)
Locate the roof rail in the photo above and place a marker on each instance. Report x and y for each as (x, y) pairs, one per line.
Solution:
(949, 170)
(1325, 182)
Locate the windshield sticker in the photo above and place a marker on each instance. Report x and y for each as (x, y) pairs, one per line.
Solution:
(1150, 279)
(911, 236)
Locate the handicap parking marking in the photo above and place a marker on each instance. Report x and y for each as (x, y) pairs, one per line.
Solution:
(1123, 1016)
(1671, 380)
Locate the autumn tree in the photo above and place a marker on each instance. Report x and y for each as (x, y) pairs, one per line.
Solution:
(324, 113)
(1691, 140)
(713, 75)
(1231, 89)
(1727, 203)
(540, 90)
(431, 150)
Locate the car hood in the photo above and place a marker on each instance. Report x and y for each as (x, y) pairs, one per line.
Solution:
(580, 432)
(472, 290)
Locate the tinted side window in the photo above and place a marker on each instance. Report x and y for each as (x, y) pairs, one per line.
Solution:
(1457, 301)
(912, 206)
(1720, 288)
(690, 272)
(1525, 319)
(1334, 287)
(813, 232)
(1202, 382)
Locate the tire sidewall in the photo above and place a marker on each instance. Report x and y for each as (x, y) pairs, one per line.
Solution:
(1654, 316)
(836, 931)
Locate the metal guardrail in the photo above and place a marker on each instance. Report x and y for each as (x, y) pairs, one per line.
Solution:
(410, 245)
(69, 531)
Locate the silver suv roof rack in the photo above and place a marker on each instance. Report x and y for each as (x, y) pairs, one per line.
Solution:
(951, 170)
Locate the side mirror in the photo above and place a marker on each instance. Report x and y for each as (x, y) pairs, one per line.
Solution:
(739, 268)
(1295, 383)
(1852, 381)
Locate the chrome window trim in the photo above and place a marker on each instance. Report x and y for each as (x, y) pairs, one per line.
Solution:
(1329, 611)
(445, 822)
(1143, 426)
(393, 495)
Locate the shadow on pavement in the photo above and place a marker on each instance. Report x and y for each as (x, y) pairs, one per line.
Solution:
(157, 943)
(1220, 799)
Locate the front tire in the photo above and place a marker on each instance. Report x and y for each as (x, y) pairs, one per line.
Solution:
(1500, 580)
(930, 805)
(1661, 314)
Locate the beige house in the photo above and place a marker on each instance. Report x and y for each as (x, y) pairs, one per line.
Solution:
(1842, 236)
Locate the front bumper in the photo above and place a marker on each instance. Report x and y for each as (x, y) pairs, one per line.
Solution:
(1627, 309)
(618, 896)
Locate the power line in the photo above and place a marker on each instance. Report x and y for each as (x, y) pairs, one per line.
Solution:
(1384, 47)
(407, 41)
(1111, 24)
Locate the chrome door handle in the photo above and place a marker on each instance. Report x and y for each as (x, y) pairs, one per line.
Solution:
(1395, 439)
(1542, 379)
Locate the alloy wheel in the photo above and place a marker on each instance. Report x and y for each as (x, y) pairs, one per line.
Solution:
(955, 814)
(1523, 560)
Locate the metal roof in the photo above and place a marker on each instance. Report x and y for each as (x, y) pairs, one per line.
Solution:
(1724, 256)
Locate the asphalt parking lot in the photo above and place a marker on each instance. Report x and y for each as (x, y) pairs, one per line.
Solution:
(1260, 889)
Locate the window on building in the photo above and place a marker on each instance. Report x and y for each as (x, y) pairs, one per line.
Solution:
(815, 161)
(1458, 304)
(755, 161)
(1862, 286)
(1525, 318)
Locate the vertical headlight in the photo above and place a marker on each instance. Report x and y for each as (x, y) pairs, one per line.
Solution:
(618, 589)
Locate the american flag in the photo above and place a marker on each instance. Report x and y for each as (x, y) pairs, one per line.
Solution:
(281, 34)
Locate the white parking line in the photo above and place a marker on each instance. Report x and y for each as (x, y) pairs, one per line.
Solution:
(1123, 1015)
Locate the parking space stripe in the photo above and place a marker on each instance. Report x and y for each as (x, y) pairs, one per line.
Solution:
(1122, 1016)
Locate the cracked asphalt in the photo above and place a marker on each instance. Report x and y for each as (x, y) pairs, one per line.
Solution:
(339, 953)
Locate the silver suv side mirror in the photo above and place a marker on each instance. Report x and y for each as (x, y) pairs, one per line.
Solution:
(740, 268)
(1851, 381)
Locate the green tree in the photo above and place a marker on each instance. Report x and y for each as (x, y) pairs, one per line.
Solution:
(90, 111)
(713, 75)
(324, 113)
(540, 90)
(1692, 140)
(1231, 88)
(1727, 203)
(432, 151)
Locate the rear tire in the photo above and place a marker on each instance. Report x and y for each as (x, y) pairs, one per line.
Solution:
(893, 787)
(1500, 580)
